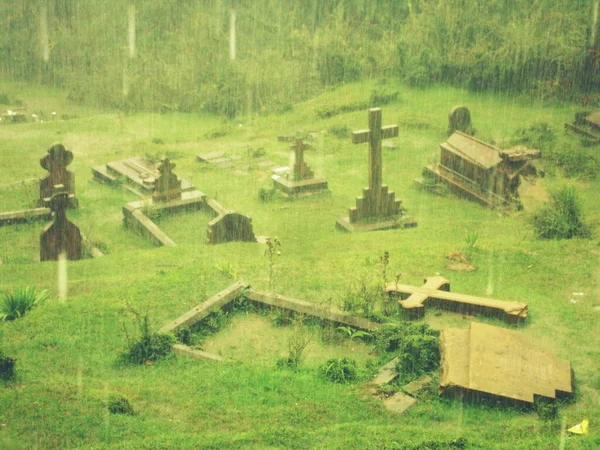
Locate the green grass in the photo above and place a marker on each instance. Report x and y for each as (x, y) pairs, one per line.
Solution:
(67, 351)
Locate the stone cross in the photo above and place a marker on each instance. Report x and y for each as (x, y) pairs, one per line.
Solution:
(301, 169)
(61, 236)
(167, 186)
(56, 162)
(436, 291)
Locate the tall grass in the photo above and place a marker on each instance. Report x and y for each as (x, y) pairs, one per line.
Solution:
(14, 304)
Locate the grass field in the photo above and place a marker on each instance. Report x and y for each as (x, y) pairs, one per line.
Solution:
(67, 350)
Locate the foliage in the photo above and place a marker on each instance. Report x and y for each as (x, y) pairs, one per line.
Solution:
(148, 346)
(546, 409)
(120, 405)
(266, 195)
(7, 367)
(339, 131)
(538, 135)
(15, 304)
(471, 239)
(361, 298)
(454, 444)
(562, 218)
(297, 344)
(272, 253)
(353, 333)
(339, 370)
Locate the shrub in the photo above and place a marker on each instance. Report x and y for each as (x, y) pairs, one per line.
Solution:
(150, 346)
(120, 405)
(266, 195)
(7, 367)
(538, 135)
(547, 410)
(562, 218)
(16, 303)
(340, 370)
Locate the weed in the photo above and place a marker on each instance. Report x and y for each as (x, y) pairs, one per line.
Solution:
(184, 335)
(471, 239)
(266, 195)
(297, 343)
(4, 98)
(361, 299)
(339, 370)
(7, 367)
(538, 135)
(562, 218)
(387, 303)
(149, 346)
(16, 303)
(226, 268)
(120, 405)
(272, 253)
(547, 410)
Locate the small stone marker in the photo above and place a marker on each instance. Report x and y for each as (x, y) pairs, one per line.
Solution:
(167, 186)
(61, 236)
(302, 180)
(436, 292)
(380, 208)
(56, 162)
(459, 119)
(301, 169)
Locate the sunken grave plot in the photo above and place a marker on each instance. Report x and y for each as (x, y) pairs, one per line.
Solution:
(480, 171)
(378, 208)
(586, 124)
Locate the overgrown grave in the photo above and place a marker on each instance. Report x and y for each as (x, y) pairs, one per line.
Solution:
(587, 125)
(301, 180)
(378, 208)
(167, 194)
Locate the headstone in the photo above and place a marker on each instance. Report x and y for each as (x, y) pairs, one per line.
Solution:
(228, 227)
(302, 180)
(459, 119)
(377, 206)
(56, 162)
(301, 169)
(61, 236)
(167, 186)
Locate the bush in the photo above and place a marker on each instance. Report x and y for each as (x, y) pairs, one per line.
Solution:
(539, 136)
(547, 410)
(7, 367)
(340, 370)
(562, 218)
(16, 303)
(266, 195)
(150, 346)
(120, 405)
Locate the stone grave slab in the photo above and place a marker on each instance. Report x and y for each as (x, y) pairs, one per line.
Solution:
(60, 236)
(301, 180)
(219, 159)
(436, 292)
(486, 361)
(25, 215)
(55, 162)
(378, 208)
(137, 174)
(586, 124)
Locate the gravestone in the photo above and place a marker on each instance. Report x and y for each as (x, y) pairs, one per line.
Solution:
(61, 236)
(56, 162)
(302, 180)
(459, 119)
(378, 208)
(167, 186)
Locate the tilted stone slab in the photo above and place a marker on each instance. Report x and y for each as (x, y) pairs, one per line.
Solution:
(184, 350)
(387, 373)
(203, 310)
(436, 292)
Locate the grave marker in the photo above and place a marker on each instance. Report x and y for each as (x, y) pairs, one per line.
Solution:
(61, 236)
(302, 180)
(56, 162)
(377, 207)
(459, 119)
(167, 186)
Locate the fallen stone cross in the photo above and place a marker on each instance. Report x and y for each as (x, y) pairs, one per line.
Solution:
(377, 209)
(436, 292)
(61, 236)
(56, 162)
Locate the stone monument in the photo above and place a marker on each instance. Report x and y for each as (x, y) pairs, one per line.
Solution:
(61, 236)
(167, 186)
(302, 180)
(459, 119)
(56, 162)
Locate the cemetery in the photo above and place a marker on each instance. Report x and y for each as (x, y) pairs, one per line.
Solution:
(217, 227)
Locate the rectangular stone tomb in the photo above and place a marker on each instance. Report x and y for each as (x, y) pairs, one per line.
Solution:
(587, 125)
(25, 216)
(484, 361)
(219, 159)
(136, 174)
(436, 292)
(220, 300)
(292, 188)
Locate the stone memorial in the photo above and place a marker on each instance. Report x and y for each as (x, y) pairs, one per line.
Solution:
(167, 186)
(61, 236)
(459, 119)
(586, 124)
(301, 180)
(56, 162)
(378, 208)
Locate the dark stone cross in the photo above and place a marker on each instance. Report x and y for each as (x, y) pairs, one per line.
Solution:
(61, 236)
(301, 169)
(56, 162)
(376, 200)
(167, 186)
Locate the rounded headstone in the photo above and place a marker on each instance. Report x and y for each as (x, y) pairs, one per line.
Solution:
(459, 119)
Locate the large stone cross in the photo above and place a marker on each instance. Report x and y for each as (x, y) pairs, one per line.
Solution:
(61, 236)
(373, 136)
(167, 186)
(301, 169)
(56, 162)
(436, 292)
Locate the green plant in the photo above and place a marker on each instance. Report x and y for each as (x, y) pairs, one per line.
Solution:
(361, 298)
(471, 239)
(226, 268)
(148, 346)
(297, 344)
(353, 333)
(15, 304)
(339, 370)
(272, 253)
(339, 131)
(266, 195)
(547, 410)
(7, 367)
(119, 405)
(562, 218)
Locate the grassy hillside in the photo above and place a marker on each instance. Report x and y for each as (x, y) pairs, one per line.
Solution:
(67, 350)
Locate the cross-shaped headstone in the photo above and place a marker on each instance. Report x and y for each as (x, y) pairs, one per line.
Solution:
(301, 169)
(436, 291)
(167, 186)
(56, 162)
(61, 236)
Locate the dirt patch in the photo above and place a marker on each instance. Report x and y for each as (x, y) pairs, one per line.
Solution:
(459, 262)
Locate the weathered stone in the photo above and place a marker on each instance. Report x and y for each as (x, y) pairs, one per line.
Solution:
(61, 236)
(56, 162)
(377, 205)
(484, 361)
(167, 186)
(586, 124)
(301, 181)
(459, 119)
(436, 292)
(24, 216)
(231, 226)
(387, 373)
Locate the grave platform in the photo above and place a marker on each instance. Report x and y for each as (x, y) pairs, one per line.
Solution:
(300, 188)
(25, 216)
(400, 221)
(587, 125)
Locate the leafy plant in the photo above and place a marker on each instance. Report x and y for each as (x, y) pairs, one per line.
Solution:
(266, 195)
(297, 344)
(562, 218)
(471, 239)
(361, 299)
(272, 253)
(7, 367)
(339, 370)
(353, 333)
(120, 405)
(15, 304)
(148, 346)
